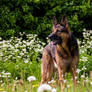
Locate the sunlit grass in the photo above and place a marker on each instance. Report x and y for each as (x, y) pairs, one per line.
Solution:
(24, 86)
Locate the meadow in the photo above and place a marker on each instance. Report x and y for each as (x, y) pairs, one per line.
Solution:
(20, 59)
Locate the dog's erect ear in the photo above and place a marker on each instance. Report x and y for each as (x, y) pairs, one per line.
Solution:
(54, 21)
(64, 22)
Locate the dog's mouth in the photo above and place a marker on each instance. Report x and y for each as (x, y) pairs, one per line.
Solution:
(55, 42)
(55, 39)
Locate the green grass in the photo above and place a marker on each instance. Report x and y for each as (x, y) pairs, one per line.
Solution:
(24, 86)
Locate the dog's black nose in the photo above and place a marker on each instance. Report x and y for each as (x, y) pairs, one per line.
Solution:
(52, 36)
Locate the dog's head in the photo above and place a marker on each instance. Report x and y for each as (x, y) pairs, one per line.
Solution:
(60, 32)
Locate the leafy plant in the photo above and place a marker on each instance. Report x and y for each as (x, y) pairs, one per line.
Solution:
(21, 57)
(35, 16)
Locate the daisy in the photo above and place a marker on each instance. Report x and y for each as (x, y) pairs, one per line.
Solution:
(44, 87)
(54, 90)
(31, 78)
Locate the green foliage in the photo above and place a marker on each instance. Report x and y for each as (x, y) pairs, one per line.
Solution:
(85, 63)
(86, 66)
(21, 57)
(35, 16)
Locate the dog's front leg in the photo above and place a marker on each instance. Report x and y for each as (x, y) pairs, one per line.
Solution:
(74, 74)
(74, 70)
(61, 79)
(46, 68)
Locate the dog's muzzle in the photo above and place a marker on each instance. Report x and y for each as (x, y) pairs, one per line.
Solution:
(55, 39)
(53, 36)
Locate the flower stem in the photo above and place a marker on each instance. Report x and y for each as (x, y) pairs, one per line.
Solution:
(30, 86)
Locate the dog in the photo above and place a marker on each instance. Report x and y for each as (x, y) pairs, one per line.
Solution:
(62, 52)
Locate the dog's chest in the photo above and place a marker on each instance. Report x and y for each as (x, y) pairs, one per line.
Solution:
(64, 62)
(62, 57)
(59, 57)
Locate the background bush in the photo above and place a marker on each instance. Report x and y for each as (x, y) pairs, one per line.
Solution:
(35, 16)
(21, 57)
(85, 48)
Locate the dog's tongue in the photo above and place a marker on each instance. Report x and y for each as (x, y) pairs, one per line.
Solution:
(52, 42)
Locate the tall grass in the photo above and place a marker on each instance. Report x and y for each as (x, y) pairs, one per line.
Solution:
(84, 85)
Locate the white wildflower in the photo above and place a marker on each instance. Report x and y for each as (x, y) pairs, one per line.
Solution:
(7, 74)
(27, 43)
(78, 81)
(16, 78)
(78, 70)
(16, 50)
(24, 50)
(54, 90)
(64, 81)
(24, 41)
(86, 80)
(84, 30)
(90, 83)
(84, 59)
(68, 86)
(21, 54)
(17, 45)
(31, 78)
(82, 76)
(75, 77)
(4, 75)
(18, 56)
(81, 52)
(1, 81)
(52, 81)
(26, 61)
(44, 87)
(84, 68)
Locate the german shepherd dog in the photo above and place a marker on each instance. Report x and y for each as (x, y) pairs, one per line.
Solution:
(62, 51)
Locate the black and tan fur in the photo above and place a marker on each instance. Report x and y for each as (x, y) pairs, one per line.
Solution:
(62, 50)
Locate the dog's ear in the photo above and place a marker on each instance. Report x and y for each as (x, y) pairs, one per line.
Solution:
(64, 22)
(54, 21)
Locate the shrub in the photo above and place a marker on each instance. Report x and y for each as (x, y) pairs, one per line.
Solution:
(21, 57)
(85, 63)
(35, 16)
